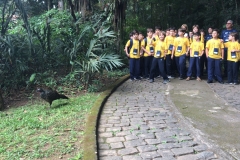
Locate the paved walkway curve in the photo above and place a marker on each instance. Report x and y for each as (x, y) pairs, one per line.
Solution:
(139, 122)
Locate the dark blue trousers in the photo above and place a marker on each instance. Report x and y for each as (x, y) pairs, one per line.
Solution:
(203, 62)
(214, 69)
(225, 62)
(169, 65)
(147, 65)
(180, 62)
(194, 63)
(232, 72)
(141, 71)
(134, 65)
(158, 62)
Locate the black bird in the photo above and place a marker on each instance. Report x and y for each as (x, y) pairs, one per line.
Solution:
(50, 95)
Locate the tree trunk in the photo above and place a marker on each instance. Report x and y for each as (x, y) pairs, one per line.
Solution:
(72, 10)
(50, 4)
(83, 8)
(1, 101)
(60, 5)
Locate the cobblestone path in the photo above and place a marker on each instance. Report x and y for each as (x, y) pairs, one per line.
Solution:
(230, 93)
(139, 122)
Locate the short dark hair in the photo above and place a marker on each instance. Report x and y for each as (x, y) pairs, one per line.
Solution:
(149, 30)
(216, 30)
(158, 27)
(171, 28)
(135, 32)
(235, 35)
(196, 34)
(181, 30)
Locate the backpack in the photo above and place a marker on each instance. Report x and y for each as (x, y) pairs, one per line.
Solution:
(145, 40)
(131, 44)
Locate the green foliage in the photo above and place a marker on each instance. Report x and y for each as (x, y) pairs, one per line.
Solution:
(172, 13)
(34, 132)
(118, 73)
(35, 48)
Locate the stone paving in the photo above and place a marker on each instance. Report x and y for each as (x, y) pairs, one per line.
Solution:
(230, 93)
(139, 121)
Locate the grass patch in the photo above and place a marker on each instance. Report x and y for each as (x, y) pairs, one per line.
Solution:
(37, 132)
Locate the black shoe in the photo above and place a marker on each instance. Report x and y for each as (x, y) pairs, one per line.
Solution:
(209, 81)
(221, 82)
(151, 81)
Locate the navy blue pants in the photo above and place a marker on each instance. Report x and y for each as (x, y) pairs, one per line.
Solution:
(147, 65)
(134, 65)
(214, 69)
(232, 72)
(180, 62)
(169, 65)
(225, 63)
(203, 62)
(141, 71)
(194, 63)
(158, 62)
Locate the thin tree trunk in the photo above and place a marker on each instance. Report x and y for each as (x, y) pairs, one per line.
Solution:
(1, 101)
(237, 12)
(60, 5)
(50, 4)
(83, 8)
(72, 10)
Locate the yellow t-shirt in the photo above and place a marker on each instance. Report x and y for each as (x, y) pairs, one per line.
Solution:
(160, 48)
(180, 44)
(196, 49)
(232, 46)
(190, 40)
(202, 38)
(134, 51)
(149, 47)
(215, 47)
(156, 37)
(169, 40)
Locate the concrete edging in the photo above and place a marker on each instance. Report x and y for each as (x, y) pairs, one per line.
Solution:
(90, 145)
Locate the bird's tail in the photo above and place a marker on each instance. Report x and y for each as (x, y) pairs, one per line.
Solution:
(63, 96)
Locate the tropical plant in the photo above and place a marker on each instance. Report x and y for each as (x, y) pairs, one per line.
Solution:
(98, 57)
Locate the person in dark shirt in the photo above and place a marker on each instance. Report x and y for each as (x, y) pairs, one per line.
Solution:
(224, 36)
(209, 34)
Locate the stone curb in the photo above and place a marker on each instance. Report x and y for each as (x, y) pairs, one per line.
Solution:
(90, 145)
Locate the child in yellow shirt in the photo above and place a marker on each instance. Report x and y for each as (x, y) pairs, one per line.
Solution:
(132, 49)
(169, 40)
(158, 60)
(196, 51)
(148, 52)
(214, 53)
(232, 57)
(180, 49)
